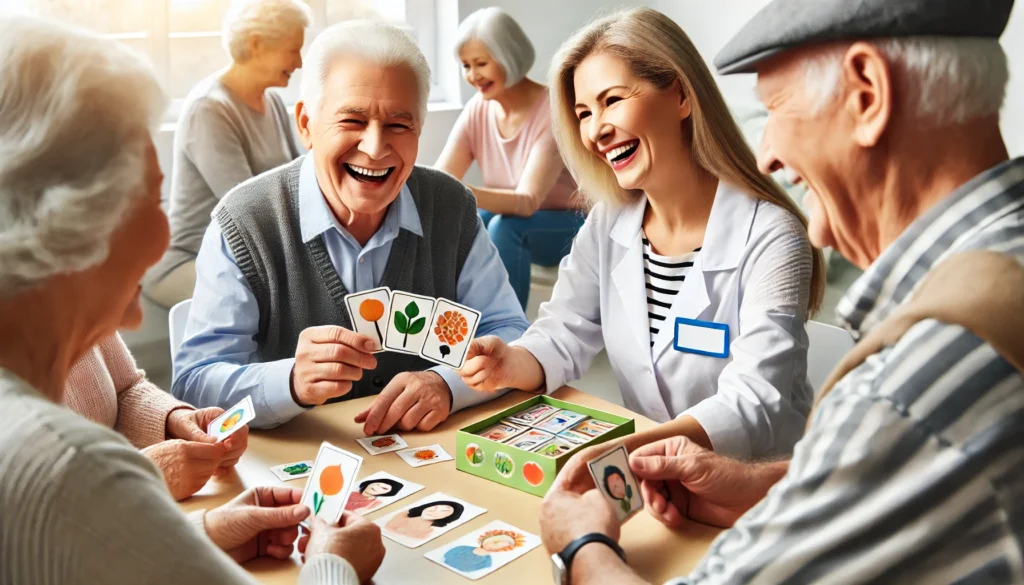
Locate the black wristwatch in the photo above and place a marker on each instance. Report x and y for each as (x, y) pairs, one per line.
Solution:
(561, 563)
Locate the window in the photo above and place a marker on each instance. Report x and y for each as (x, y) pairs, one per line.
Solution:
(183, 37)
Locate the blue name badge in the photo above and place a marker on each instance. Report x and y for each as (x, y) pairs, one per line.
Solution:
(701, 337)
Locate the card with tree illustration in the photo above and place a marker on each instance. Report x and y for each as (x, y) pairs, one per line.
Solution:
(450, 331)
(408, 322)
(367, 310)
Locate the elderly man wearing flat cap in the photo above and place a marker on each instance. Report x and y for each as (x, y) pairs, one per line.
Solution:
(912, 466)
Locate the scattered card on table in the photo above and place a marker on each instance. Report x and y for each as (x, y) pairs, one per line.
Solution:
(449, 333)
(574, 437)
(427, 519)
(333, 478)
(408, 322)
(560, 421)
(530, 439)
(501, 431)
(290, 471)
(382, 444)
(533, 414)
(593, 428)
(420, 456)
(232, 420)
(555, 448)
(616, 483)
(379, 490)
(368, 311)
(484, 551)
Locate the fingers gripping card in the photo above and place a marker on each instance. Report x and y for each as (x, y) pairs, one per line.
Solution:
(368, 311)
(616, 483)
(232, 420)
(451, 329)
(408, 322)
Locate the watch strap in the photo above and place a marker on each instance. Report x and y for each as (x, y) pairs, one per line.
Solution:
(573, 547)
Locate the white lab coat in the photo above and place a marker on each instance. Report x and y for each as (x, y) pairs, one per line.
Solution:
(753, 274)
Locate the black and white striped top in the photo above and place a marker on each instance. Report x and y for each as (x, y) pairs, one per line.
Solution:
(664, 276)
(911, 470)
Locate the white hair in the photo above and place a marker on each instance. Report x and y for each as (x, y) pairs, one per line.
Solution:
(937, 79)
(76, 113)
(382, 44)
(273, 20)
(504, 39)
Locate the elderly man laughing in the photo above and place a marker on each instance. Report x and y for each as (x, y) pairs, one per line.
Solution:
(268, 317)
(910, 470)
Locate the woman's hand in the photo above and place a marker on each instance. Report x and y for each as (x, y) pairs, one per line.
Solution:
(357, 540)
(492, 365)
(186, 465)
(190, 425)
(261, 522)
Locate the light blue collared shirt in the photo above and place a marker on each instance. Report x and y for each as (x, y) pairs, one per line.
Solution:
(217, 363)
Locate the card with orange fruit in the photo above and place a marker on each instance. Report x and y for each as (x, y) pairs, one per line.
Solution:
(368, 310)
(332, 480)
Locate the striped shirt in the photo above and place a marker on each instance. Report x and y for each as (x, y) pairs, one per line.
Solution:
(664, 276)
(913, 468)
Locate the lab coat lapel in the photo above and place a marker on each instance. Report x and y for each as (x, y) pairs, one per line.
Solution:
(628, 274)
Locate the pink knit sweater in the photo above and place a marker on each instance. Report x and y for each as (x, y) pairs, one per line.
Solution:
(107, 387)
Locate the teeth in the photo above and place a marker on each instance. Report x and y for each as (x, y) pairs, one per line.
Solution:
(369, 172)
(611, 154)
(791, 176)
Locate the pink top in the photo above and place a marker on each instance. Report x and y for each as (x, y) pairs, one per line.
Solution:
(107, 387)
(502, 160)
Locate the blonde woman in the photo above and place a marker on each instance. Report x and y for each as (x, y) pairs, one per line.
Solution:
(527, 198)
(693, 271)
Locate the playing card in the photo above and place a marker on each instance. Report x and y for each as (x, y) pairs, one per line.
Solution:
(290, 471)
(555, 448)
(593, 428)
(484, 551)
(450, 331)
(232, 420)
(616, 483)
(377, 491)
(530, 439)
(501, 431)
(427, 519)
(408, 322)
(534, 414)
(420, 456)
(368, 311)
(574, 437)
(560, 421)
(382, 444)
(333, 478)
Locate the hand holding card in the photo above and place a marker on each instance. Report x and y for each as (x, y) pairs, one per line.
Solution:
(233, 420)
(331, 482)
(616, 483)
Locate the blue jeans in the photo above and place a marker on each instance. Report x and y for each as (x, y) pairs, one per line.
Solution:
(543, 238)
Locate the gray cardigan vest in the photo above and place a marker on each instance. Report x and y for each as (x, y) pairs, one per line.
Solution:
(295, 283)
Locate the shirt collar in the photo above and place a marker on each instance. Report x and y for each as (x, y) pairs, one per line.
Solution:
(929, 239)
(316, 217)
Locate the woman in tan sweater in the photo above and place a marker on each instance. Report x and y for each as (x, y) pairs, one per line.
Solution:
(107, 387)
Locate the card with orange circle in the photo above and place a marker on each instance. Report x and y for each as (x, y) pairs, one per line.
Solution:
(334, 475)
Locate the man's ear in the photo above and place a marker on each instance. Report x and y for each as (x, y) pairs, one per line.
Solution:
(868, 98)
(303, 122)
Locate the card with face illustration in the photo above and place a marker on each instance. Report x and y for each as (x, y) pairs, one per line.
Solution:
(616, 483)
(530, 439)
(427, 519)
(379, 490)
(408, 322)
(334, 474)
(382, 444)
(368, 311)
(484, 551)
(232, 420)
(450, 331)
(560, 421)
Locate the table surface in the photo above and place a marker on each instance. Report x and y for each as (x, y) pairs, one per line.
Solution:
(654, 551)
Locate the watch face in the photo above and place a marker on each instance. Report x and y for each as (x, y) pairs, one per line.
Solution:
(558, 570)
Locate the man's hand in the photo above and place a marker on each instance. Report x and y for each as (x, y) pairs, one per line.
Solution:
(412, 401)
(262, 521)
(327, 360)
(191, 425)
(566, 516)
(681, 479)
(575, 475)
(357, 540)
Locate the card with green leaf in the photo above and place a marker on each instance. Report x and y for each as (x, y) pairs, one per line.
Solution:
(407, 322)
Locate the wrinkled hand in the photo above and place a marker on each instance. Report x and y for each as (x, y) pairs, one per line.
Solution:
(566, 516)
(262, 521)
(412, 401)
(327, 360)
(575, 475)
(681, 479)
(186, 465)
(357, 540)
(492, 365)
(191, 425)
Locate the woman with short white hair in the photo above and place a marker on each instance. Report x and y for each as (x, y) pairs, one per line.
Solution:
(80, 222)
(232, 127)
(526, 200)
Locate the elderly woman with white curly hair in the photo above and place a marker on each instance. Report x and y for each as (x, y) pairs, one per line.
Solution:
(232, 128)
(80, 222)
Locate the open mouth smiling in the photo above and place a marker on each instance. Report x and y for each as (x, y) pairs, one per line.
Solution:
(365, 175)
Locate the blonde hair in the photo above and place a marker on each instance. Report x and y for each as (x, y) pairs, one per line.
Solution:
(656, 50)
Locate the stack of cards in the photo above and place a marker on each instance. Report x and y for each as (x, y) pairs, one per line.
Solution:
(484, 551)
(438, 330)
(616, 483)
(547, 430)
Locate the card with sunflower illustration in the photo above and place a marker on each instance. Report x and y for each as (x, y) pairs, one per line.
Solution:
(450, 331)
(328, 488)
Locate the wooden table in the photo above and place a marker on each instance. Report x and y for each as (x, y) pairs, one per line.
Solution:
(655, 552)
